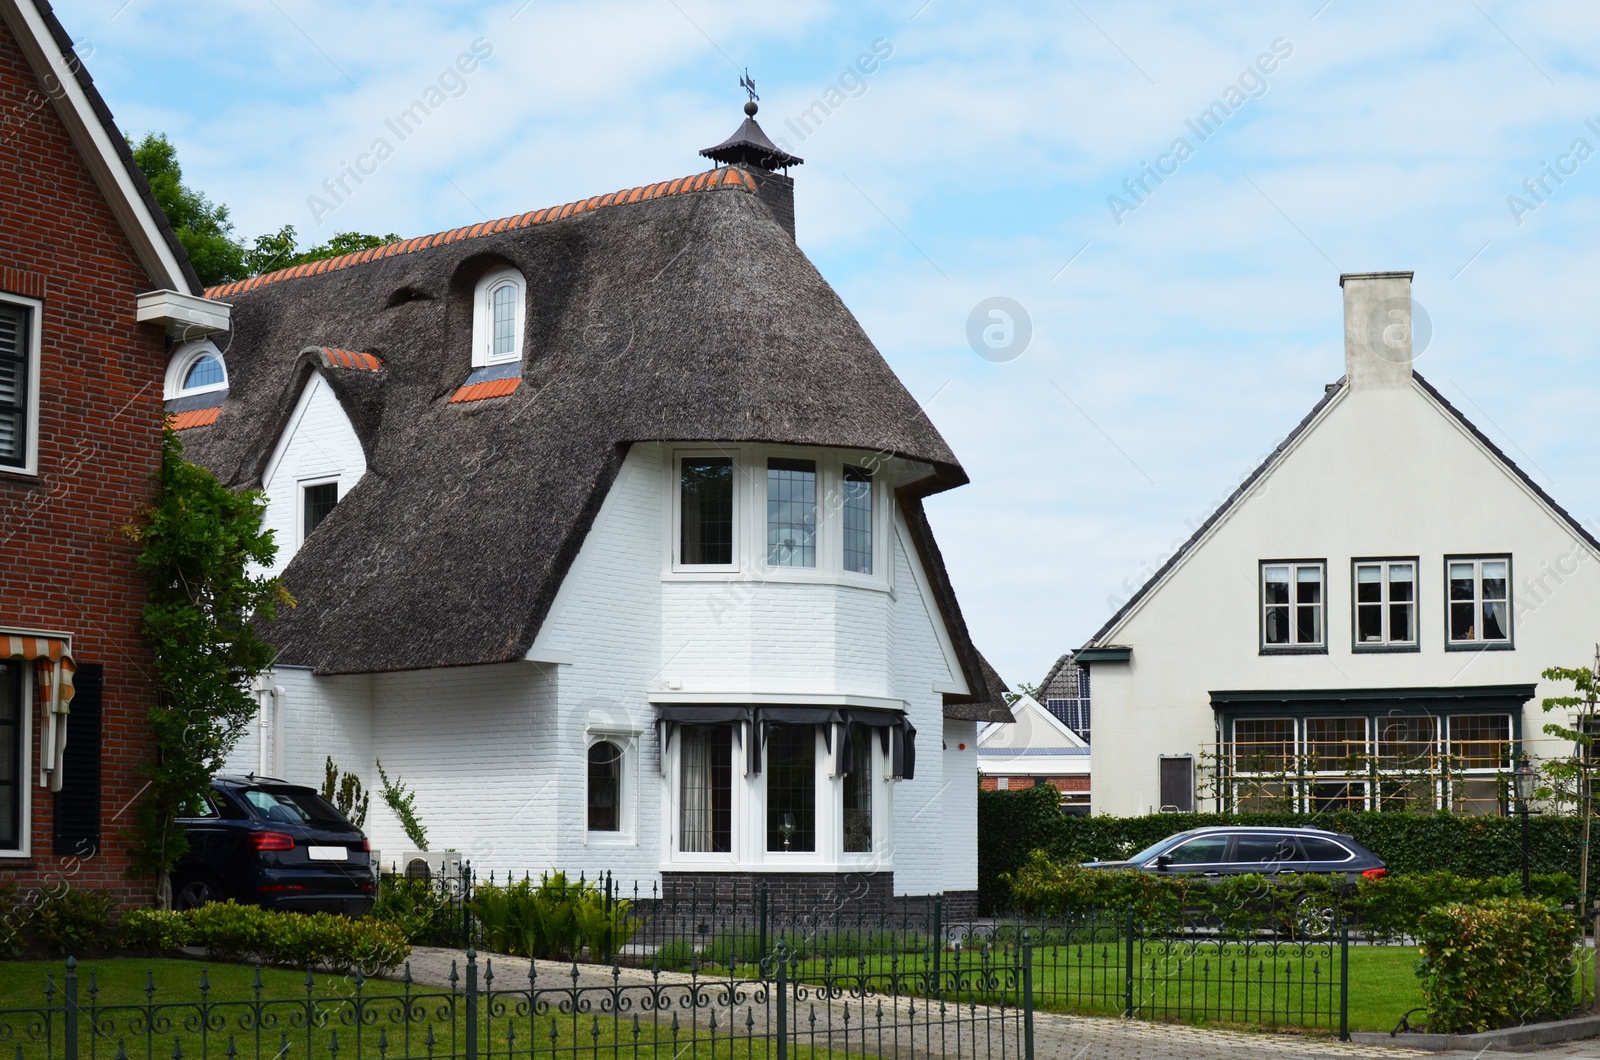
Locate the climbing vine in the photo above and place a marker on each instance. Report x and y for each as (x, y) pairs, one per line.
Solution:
(198, 541)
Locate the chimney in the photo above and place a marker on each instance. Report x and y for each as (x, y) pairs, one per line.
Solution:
(1377, 329)
(750, 150)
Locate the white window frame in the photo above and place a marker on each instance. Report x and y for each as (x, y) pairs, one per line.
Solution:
(300, 487)
(30, 439)
(1478, 643)
(483, 317)
(882, 795)
(183, 359)
(1387, 641)
(819, 488)
(1294, 646)
(627, 833)
(24, 849)
(675, 531)
(672, 806)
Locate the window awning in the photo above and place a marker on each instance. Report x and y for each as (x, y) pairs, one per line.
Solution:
(894, 729)
(53, 669)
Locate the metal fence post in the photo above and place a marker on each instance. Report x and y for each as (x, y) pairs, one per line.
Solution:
(938, 933)
(763, 905)
(783, 1007)
(1027, 999)
(472, 1004)
(71, 1010)
(464, 895)
(1344, 982)
(1127, 1006)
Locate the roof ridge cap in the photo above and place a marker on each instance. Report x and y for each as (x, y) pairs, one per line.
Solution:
(707, 180)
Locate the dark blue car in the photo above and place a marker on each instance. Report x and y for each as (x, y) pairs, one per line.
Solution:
(281, 846)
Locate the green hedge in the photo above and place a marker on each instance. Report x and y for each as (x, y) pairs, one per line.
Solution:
(1388, 908)
(1012, 824)
(1497, 963)
(229, 932)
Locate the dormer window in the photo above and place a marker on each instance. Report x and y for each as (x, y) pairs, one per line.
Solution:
(498, 314)
(197, 368)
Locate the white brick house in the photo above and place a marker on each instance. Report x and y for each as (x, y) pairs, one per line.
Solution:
(1362, 624)
(606, 532)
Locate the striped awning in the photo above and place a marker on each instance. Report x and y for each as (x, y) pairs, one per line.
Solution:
(53, 668)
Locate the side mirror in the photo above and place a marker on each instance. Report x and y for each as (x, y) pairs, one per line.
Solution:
(1163, 862)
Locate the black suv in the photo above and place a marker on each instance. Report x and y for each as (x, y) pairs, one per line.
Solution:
(277, 845)
(1232, 851)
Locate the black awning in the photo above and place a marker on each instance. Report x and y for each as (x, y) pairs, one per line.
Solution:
(895, 731)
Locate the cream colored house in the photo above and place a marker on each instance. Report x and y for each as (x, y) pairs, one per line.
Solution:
(1364, 622)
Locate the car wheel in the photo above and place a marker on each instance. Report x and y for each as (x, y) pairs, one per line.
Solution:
(1314, 917)
(192, 894)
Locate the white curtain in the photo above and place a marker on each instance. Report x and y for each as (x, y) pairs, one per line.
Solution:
(694, 753)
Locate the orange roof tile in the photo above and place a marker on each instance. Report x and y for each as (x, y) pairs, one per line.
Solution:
(354, 359)
(489, 388)
(182, 421)
(722, 177)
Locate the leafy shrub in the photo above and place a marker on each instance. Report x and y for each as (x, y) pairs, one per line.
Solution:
(1495, 963)
(1013, 824)
(14, 917)
(419, 908)
(675, 956)
(75, 921)
(154, 931)
(1392, 907)
(553, 921)
(230, 932)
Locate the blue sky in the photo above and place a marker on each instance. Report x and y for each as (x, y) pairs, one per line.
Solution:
(1175, 337)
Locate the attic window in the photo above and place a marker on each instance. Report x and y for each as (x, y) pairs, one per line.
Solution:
(499, 310)
(197, 368)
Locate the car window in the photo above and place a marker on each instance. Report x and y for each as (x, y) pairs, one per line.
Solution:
(1203, 850)
(1154, 848)
(1323, 849)
(288, 806)
(200, 810)
(1264, 850)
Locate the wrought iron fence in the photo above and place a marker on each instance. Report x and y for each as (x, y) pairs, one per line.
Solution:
(793, 1005)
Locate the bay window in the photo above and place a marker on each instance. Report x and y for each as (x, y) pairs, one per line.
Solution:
(857, 511)
(1479, 590)
(857, 824)
(706, 789)
(1293, 606)
(1386, 604)
(791, 513)
(705, 511)
(791, 753)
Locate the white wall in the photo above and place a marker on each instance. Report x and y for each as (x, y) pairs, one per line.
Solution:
(318, 444)
(1386, 472)
(497, 754)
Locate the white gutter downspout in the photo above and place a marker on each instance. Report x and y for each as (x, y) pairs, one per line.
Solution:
(263, 692)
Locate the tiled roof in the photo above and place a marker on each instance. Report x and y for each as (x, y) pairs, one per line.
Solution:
(491, 388)
(182, 421)
(723, 177)
(353, 359)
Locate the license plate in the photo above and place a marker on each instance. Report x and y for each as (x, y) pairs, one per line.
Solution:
(328, 853)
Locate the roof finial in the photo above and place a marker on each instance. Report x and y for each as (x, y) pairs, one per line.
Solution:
(748, 83)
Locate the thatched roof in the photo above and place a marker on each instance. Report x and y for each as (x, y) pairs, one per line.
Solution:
(678, 312)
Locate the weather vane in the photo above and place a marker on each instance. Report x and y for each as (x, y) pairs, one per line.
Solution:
(748, 85)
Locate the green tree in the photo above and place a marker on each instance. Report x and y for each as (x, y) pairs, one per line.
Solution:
(1578, 771)
(202, 226)
(206, 232)
(198, 541)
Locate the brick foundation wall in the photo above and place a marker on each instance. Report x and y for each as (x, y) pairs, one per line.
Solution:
(813, 892)
(65, 565)
(1064, 784)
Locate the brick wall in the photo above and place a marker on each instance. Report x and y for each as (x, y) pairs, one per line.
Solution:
(1065, 784)
(64, 563)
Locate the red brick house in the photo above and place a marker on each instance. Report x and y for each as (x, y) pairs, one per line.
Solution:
(96, 295)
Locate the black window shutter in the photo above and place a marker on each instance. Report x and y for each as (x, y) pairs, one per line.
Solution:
(77, 816)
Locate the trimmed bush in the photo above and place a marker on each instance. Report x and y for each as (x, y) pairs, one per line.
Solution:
(1496, 963)
(1013, 824)
(77, 920)
(248, 933)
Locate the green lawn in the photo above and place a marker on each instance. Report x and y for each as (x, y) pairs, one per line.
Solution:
(148, 1033)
